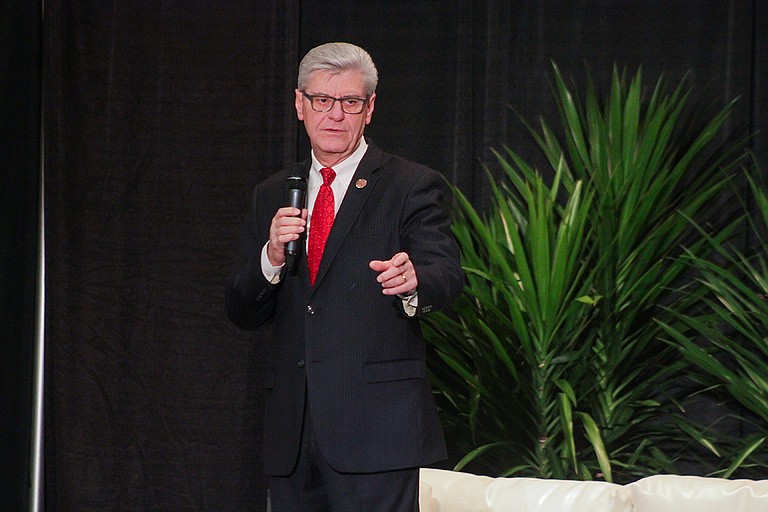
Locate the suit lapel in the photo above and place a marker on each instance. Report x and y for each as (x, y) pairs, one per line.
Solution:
(360, 188)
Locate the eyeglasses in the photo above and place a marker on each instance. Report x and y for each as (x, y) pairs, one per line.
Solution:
(323, 103)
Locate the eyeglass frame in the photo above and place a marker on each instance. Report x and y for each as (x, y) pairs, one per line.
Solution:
(311, 97)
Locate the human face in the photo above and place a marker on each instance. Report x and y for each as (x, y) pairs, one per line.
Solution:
(334, 135)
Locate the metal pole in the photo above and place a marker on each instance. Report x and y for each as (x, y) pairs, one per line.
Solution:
(36, 462)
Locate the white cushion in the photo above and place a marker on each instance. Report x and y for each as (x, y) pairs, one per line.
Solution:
(673, 493)
(425, 497)
(450, 491)
(453, 491)
(540, 495)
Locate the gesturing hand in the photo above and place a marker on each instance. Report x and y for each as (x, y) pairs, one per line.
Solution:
(396, 275)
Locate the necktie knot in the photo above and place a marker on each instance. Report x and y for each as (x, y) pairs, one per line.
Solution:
(328, 175)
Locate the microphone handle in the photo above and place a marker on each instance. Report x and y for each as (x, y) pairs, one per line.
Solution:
(292, 248)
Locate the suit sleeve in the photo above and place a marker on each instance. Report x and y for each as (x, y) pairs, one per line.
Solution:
(250, 297)
(427, 238)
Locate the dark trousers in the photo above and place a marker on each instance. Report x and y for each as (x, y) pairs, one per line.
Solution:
(314, 486)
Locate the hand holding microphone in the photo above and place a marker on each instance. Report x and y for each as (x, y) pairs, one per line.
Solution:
(297, 196)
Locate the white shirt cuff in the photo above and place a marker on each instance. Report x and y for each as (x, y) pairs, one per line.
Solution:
(271, 272)
(410, 303)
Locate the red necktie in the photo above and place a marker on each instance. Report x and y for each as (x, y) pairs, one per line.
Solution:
(322, 220)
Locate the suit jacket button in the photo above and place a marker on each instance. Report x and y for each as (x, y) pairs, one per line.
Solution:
(310, 310)
(300, 364)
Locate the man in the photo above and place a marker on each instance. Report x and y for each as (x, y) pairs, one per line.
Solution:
(350, 415)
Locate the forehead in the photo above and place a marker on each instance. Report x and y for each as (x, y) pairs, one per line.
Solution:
(336, 83)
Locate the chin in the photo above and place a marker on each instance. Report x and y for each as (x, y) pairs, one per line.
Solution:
(334, 148)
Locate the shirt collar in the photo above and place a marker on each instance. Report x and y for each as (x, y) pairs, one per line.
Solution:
(347, 167)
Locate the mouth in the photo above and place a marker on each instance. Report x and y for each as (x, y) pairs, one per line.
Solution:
(333, 131)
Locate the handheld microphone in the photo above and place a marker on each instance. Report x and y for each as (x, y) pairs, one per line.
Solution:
(297, 193)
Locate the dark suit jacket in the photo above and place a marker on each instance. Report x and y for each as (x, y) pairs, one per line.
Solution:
(342, 345)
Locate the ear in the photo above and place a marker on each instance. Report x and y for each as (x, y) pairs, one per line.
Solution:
(369, 108)
(299, 103)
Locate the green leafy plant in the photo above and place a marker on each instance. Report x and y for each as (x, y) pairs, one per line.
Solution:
(550, 363)
(729, 339)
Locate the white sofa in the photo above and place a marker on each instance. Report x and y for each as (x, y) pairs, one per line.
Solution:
(450, 491)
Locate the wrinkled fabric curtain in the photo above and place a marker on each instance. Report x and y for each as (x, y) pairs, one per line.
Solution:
(20, 124)
(161, 116)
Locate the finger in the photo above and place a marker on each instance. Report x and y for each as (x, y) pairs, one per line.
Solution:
(286, 216)
(287, 211)
(384, 268)
(400, 259)
(285, 229)
(404, 279)
(389, 267)
(388, 274)
(400, 286)
(289, 226)
(405, 268)
(290, 221)
(377, 265)
(287, 237)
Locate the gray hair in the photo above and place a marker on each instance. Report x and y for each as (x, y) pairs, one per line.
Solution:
(339, 57)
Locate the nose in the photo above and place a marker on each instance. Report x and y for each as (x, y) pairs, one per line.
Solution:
(336, 113)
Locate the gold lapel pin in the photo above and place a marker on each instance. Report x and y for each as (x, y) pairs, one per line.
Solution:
(361, 183)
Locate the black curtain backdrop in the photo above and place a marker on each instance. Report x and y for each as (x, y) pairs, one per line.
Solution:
(20, 31)
(160, 117)
(451, 70)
